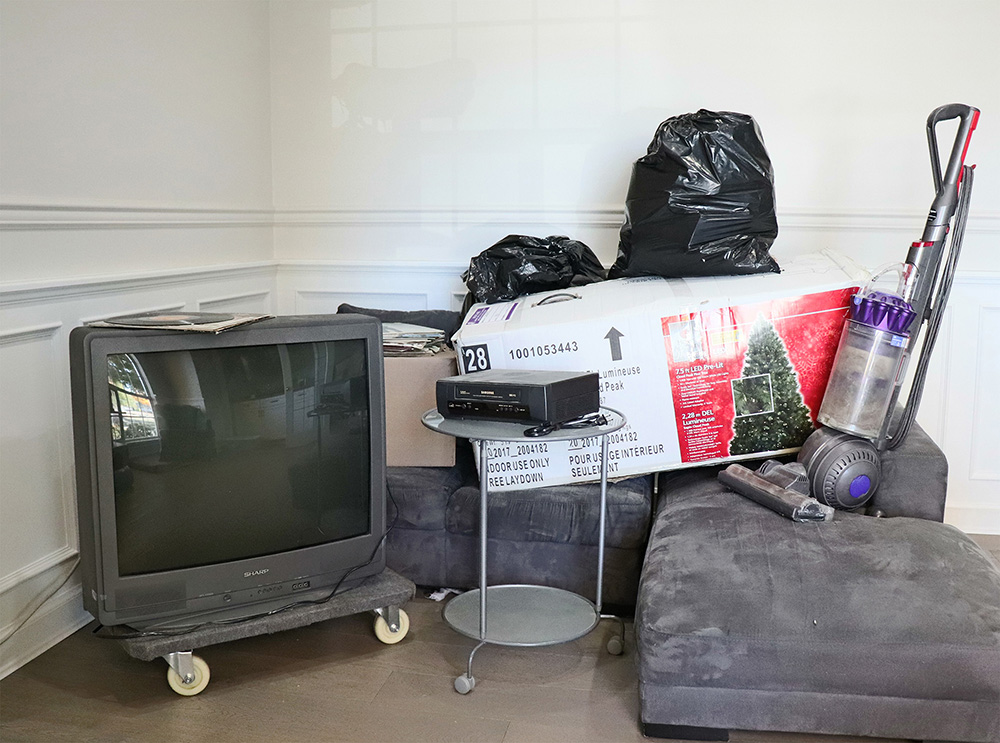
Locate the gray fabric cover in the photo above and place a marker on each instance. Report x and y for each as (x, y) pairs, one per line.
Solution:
(375, 592)
(419, 496)
(861, 626)
(546, 536)
(550, 536)
(916, 479)
(566, 514)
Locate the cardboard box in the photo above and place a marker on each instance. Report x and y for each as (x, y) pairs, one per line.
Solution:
(410, 385)
(706, 370)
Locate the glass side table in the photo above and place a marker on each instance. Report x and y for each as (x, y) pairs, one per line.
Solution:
(524, 615)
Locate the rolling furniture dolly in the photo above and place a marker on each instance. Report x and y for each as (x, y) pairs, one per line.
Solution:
(521, 615)
(188, 674)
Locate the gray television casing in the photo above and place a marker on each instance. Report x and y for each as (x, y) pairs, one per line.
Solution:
(225, 590)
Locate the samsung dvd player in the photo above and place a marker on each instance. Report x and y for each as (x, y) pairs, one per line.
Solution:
(516, 395)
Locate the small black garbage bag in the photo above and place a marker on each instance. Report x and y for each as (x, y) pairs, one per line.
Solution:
(520, 264)
(700, 202)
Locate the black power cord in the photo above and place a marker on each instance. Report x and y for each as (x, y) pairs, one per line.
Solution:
(584, 421)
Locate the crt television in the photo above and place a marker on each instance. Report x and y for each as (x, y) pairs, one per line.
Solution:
(223, 476)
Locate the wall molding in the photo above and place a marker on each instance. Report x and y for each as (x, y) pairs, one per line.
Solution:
(971, 518)
(19, 216)
(609, 217)
(29, 335)
(77, 216)
(366, 267)
(976, 278)
(49, 290)
(217, 304)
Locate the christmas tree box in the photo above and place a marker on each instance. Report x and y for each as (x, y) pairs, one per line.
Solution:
(706, 370)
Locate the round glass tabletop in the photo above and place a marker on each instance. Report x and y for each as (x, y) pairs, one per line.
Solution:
(481, 430)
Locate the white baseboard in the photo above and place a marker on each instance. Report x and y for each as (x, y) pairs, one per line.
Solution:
(973, 520)
(57, 619)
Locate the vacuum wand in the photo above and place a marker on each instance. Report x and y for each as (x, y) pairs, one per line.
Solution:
(928, 285)
(772, 486)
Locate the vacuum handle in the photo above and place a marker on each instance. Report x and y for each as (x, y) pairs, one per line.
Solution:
(969, 117)
(946, 184)
(906, 272)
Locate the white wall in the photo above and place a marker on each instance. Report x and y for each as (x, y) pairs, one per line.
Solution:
(120, 114)
(286, 156)
(439, 116)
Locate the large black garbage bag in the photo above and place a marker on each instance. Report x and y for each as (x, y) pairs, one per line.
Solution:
(700, 202)
(520, 264)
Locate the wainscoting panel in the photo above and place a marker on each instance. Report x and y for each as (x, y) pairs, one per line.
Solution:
(319, 302)
(307, 287)
(34, 455)
(970, 432)
(984, 464)
(38, 535)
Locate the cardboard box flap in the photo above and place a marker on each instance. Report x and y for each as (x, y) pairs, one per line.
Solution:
(806, 274)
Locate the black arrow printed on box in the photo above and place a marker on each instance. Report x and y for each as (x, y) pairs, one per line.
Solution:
(614, 337)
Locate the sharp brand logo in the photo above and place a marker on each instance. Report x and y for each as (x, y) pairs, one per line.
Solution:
(252, 573)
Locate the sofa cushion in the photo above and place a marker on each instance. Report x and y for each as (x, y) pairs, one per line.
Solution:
(418, 495)
(566, 514)
(859, 626)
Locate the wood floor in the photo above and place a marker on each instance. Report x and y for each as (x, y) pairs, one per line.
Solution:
(334, 681)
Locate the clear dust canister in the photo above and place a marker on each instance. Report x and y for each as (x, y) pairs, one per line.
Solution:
(868, 364)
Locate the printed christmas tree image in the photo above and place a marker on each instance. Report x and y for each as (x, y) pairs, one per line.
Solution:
(770, 412)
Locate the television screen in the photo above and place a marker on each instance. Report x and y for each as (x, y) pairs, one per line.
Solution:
(238, 452)
(220, 472)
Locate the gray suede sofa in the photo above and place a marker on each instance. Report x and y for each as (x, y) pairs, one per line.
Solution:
(885, 627)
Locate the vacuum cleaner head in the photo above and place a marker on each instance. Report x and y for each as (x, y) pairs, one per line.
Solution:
(844, 470)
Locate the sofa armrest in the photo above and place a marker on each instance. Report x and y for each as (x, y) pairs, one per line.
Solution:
(914, 478)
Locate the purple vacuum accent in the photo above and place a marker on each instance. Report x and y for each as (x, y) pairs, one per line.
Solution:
(883, 311)
(860, 485)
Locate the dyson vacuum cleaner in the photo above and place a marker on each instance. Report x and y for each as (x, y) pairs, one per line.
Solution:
(839, 464)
